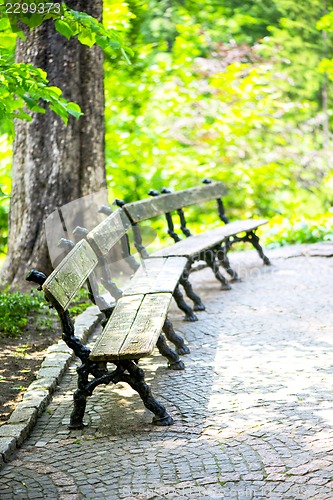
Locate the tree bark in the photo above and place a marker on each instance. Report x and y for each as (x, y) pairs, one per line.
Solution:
(53, 163)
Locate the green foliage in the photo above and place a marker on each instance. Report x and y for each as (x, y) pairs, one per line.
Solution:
(22, 86)
(235, 90)
(15, 309)
(243, 21)
(5, 189)
(68, 22)
(206, 102)
(297, 229)
(80, 303)
(297, 46)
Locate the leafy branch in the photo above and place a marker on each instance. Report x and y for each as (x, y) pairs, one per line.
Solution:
(22, 86)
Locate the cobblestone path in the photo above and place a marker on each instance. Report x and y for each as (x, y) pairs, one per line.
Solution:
(253, 410)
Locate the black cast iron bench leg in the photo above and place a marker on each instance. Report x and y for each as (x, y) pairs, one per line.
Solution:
(80, 402)
(254, 240)
(136, 380)
(175, 362)
(80, 395)
(189, 314)
(177, 340)
(210, 257)
(186, 284)
(222, 257)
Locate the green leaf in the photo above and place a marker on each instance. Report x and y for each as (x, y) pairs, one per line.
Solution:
(114, 45)
(74, 109)
(102, 41)
(4, 24)
(63, 28)
(59, 110)
(87, 38)
(34, 21)
(55, 90)
(33, 104)
(125, 56)
(20, 34)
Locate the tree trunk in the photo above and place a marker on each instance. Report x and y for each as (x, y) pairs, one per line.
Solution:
(53, 163)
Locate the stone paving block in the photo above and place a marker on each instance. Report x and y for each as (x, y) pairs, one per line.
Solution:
(59, 348)
(51, 375)
(42, 383)
(54, 359)
(38, 400)
(18, 432)
(24, 413)
(7, 446)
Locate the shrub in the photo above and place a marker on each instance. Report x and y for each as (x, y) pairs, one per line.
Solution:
(15, 309)
(294, 230)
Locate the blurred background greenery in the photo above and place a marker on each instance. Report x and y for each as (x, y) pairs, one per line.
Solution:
(237, 91)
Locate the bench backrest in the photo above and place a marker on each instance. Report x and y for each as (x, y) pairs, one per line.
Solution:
(166, 203)
(68, 277)
(107, 234)
(169, 202)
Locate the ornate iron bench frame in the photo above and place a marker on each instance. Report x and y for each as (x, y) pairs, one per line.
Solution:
(136, 285)
(213, 245)
(131, 332)
(182, 273)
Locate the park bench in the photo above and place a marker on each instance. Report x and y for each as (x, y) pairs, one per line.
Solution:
(156, 276)
(165, 273)
(132, 331)
(211, 246)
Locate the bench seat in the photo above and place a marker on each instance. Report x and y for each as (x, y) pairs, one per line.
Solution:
(190, 247)
(157, 275)
(133, 328)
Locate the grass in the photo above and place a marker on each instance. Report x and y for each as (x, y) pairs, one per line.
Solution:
(16, 308)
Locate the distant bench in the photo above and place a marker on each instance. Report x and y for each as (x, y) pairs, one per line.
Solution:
(211, 246)
(164, 273)
(135, 323)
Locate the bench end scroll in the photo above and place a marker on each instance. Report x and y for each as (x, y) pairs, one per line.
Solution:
(36, 277)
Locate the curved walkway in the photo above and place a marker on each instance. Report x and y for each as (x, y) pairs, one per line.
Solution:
(253, 410)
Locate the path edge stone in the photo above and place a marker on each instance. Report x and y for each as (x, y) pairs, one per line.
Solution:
(38, 394)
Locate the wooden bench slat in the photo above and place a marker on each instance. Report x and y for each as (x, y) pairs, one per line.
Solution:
(133, 328)
(157, 275)
(147, 326)
(147, 209)
(199, 243)
(144, 278)
(65, 281)
(169, 276)
(104, 236)
(109, 343)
